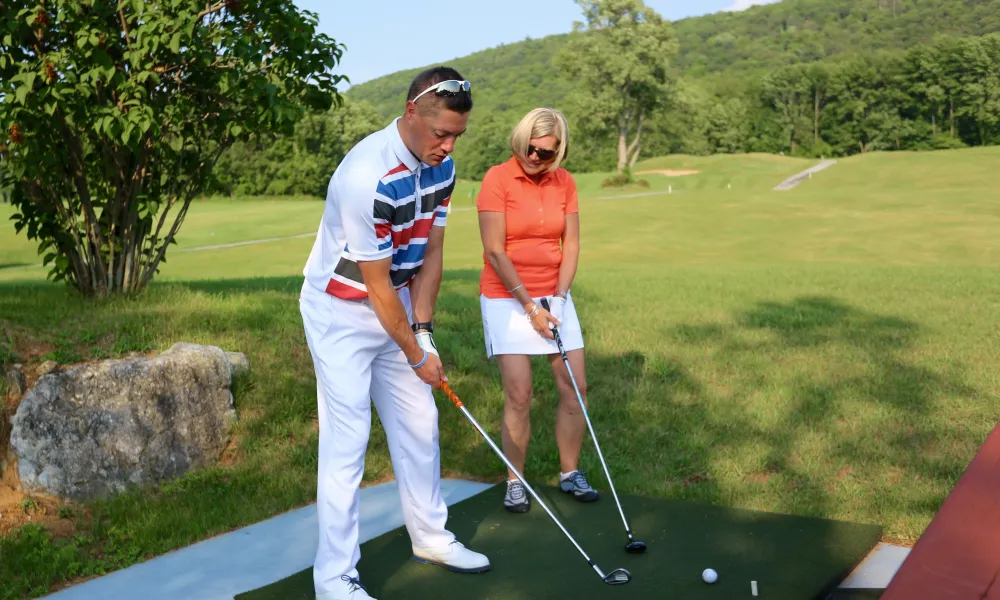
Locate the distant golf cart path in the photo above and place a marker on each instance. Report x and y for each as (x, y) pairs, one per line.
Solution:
(795, 180)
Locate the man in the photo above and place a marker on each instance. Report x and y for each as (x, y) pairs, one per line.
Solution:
(374, 269)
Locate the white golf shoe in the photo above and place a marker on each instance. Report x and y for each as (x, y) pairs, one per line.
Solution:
(454, 556)
(348, 588)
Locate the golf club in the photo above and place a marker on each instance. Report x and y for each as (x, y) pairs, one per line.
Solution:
(633, 546)
(616, 577)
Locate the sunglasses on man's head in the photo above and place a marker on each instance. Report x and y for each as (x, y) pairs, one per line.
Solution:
(451, 87)
(542, 154)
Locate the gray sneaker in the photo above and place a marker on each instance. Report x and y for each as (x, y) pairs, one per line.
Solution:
(576, 484)
(516, 500)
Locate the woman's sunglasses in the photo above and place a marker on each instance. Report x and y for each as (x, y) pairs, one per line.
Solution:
(451, 87)
(542, 154)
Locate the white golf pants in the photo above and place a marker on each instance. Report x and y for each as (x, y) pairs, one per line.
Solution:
(357, 363)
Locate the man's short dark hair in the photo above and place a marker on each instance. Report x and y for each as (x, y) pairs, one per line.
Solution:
(460, 103)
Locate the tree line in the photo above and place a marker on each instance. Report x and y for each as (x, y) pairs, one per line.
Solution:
(945, 94)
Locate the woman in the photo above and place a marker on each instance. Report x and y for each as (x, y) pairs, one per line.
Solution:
(530, 228)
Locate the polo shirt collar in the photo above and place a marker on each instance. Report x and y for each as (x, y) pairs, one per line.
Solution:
(399, 148)
(516, 170)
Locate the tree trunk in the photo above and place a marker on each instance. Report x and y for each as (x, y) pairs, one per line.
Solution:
(934, 125)
(951, 115)
(622, 144)
(816, 118)
(634, 147)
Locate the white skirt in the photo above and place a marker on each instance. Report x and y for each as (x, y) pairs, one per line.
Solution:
(507, 329)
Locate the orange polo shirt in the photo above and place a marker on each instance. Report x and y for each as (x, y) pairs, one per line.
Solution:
(535, 214)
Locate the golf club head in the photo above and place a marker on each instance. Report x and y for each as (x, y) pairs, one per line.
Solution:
(618, 577)
(635, 547)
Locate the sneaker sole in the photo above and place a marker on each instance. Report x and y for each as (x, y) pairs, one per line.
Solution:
(435, 563)
(587, 497)
(520, 508)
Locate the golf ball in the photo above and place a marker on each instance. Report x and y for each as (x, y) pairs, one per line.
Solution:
(709, 575)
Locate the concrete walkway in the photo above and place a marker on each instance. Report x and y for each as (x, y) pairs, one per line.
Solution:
(795, 180)
(255, 556)
(249, 558)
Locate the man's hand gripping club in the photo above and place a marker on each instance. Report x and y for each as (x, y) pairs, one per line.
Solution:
(419, 349)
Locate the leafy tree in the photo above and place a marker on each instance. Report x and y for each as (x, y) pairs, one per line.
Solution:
(728, 126)
(487, 145)
(818, 75)
(114, 114)
(620, 60)
(681, 126)
(300, 163)
(924, 78)
(978, 97)
(788, 92)
(866, 103)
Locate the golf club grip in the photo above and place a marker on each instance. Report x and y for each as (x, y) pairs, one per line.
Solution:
(451, 395)
(555, 330)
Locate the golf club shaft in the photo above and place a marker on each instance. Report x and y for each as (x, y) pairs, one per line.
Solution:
(458, 403)
(590, 427)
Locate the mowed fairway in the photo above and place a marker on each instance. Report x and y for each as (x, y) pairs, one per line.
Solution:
(828, 351)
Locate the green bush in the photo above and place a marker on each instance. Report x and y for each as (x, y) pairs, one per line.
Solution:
(623, 179)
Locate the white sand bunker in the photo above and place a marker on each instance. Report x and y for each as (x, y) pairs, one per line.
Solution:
(668, 172)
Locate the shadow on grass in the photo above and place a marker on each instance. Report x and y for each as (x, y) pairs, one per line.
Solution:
(674, 419)
(665, 424)
(862, 370)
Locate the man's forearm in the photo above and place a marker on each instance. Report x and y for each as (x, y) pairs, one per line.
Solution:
(392, 315)
(425, 287)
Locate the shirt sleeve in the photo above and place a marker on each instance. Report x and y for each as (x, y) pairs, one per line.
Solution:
(572, 202)
(491, 193)
(441, 213)
(366, 211)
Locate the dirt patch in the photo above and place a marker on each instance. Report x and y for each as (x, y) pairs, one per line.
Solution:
(668, 172)
(26, 346)
(18, 509)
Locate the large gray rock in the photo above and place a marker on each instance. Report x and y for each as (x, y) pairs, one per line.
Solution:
(94, 430)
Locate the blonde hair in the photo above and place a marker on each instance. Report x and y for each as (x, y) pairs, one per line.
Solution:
(541, 122)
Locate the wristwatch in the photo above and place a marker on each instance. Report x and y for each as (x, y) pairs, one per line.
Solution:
(429, 327)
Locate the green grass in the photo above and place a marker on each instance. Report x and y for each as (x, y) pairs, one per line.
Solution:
(828, 351)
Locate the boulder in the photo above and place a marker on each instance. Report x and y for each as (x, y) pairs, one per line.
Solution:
(97, 429)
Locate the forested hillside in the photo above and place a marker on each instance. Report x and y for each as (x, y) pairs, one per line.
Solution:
(794, 31)
(718, 46)
(800, 77)
(509, 77)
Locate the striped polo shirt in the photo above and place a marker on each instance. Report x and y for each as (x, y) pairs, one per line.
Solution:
(381, 202)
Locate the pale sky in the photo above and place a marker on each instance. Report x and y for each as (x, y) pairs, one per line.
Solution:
(385, 36)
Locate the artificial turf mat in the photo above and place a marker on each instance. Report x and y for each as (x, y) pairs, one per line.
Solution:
(790, 557)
